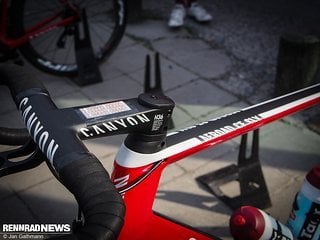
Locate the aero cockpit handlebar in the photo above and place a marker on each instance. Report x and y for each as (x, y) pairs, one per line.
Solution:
(77, 169)
(58, 134)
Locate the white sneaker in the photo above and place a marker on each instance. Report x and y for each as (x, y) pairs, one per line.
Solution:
(198, 13)
(177, 16)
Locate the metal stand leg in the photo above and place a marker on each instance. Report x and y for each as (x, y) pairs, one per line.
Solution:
(248, 172)
(88, 70)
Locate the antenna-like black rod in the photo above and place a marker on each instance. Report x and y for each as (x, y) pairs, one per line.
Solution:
(158, 84)
(147, 75)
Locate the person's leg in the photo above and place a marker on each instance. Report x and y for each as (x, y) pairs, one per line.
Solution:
(189, 2)
(186, 3)
(182, 2)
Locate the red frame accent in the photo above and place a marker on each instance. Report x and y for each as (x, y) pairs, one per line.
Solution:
(139, 201)
(34, 31)
(140, 220)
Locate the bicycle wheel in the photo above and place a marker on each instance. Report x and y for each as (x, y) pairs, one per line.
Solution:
(53, 51)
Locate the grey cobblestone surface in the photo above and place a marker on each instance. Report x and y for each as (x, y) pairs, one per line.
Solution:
(209, 70)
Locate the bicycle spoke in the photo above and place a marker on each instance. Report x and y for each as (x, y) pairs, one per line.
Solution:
(98, 33)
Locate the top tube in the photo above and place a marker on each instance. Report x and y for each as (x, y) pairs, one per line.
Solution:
(215, 131)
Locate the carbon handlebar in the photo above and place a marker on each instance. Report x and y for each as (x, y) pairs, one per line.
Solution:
(13, 136)
(76, 168)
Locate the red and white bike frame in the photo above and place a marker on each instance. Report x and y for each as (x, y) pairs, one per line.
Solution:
(137, 175)
(145, 153)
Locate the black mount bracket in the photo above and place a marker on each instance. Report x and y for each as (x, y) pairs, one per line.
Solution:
(22, 158)
(157, 88)
(88, 69)
(248, 172)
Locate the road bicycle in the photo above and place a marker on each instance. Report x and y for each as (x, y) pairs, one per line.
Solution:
(52, 34)
(120, 206)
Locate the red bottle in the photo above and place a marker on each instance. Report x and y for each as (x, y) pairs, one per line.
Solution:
(250, 223)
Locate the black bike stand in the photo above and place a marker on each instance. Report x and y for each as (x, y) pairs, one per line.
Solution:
(248, 173)
(157, 88)
(88, 70)
(19, 159)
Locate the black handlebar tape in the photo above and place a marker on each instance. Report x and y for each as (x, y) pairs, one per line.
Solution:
(18, 81)
(14, 136)
(100, 202)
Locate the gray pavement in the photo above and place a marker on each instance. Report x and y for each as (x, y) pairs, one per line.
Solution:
(209, 70)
